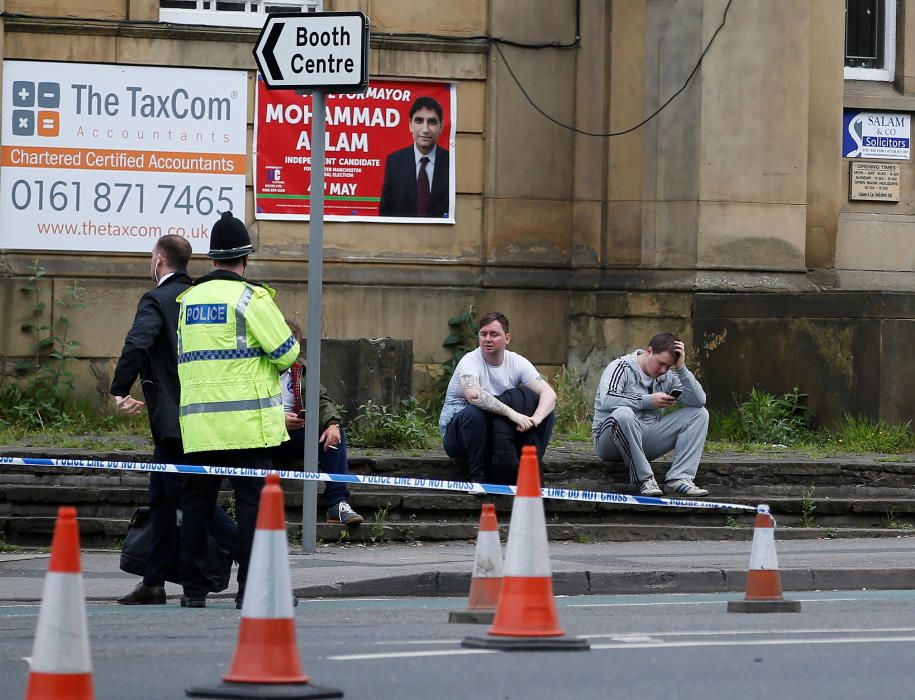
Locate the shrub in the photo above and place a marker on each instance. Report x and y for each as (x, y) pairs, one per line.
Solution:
(378, 426)
(764, 418)
(573, 409)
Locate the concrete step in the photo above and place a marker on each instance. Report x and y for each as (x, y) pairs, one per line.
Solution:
(27, 516)
(21, 499)
(36, 531)
(841, 497)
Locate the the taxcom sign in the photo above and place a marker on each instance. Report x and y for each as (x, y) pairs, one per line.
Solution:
(109, 158)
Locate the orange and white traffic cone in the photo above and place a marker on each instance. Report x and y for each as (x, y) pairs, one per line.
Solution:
(267, 656)
(61, 668)
(486, 579)
(764, 583)
(526, 615)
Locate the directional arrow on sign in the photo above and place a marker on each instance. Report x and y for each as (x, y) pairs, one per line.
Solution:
(315, 50)
(273, 36)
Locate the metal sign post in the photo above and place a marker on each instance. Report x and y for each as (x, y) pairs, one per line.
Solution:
(323, 52)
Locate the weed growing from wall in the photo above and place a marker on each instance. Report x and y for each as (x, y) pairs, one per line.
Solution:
(573, 409)
(42, 391)
(461, 339)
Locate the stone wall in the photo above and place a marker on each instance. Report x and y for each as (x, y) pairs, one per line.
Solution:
(849, 352)
(589, 243)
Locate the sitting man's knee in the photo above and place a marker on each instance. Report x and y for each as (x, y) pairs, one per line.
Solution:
(623, 414)
(471, 415)
(697, 414)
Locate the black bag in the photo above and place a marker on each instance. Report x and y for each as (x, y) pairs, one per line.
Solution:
(137, 543)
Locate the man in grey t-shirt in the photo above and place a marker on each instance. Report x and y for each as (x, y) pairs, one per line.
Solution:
(496, 402)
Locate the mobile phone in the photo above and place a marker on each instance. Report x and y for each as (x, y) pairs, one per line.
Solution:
(302, 415)
(675, 393)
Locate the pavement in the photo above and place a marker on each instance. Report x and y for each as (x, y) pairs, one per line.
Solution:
(606, 568)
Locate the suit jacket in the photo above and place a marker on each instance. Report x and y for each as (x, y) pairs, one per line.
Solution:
(151, 351)
(398, 193)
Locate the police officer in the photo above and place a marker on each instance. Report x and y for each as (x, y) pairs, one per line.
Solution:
(232, 345)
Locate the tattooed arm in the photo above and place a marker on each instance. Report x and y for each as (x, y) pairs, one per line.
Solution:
(479, 397)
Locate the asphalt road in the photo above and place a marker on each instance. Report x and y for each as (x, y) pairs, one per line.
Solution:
(842, 645)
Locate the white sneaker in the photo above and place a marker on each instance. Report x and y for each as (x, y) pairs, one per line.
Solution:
(649, 487)
(684, 487)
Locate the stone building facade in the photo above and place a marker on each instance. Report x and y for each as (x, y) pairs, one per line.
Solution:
(725, 218)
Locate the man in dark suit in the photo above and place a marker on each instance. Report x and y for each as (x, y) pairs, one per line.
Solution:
(151, 352)
(416, 177)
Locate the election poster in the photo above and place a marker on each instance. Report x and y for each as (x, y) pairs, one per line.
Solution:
(381, 164)
(110, 158)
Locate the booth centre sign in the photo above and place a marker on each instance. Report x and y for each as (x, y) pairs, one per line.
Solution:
(327, 50)
(110, 158)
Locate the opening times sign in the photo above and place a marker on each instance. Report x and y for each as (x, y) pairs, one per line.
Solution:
(369, 142)
(111, 158)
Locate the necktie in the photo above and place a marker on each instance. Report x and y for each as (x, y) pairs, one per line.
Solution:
(422, 189)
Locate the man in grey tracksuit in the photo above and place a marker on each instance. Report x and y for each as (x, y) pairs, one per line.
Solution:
(629, 425)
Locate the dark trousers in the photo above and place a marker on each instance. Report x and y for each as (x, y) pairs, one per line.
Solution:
(163, 563)
(470, 433)
(198, 500)
(329, 462)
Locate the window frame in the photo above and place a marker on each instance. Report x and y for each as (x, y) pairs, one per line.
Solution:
(227, 18)
(888, 72)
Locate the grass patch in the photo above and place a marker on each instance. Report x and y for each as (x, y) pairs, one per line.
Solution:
(865, 435)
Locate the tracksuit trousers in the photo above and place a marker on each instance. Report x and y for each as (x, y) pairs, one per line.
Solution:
(623, 437)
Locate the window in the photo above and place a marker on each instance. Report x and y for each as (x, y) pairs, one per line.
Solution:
(225, 13)
(870, 39)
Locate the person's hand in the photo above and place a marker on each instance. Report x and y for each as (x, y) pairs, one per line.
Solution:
(331, 437)
(128, 404)
(523, 423)
(293, 422)
(680, 354)
(662, 400)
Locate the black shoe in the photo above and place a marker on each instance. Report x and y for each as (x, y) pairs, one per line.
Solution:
(191, 602)
(144, 595)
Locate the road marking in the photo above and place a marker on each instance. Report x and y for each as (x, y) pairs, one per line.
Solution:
(637, 643)
(753, 642)
(710, 633)
(643, 642)
(407, 642)
(624, 604)
(411, 654)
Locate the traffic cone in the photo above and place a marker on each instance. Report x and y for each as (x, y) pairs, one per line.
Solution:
(266, 662)
(60, 667)
(526, 613)
(764, 583)
(486, 579)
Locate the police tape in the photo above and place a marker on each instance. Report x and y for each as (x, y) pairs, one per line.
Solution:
(373, 480)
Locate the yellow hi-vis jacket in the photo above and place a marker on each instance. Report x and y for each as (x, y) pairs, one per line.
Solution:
(232, 344)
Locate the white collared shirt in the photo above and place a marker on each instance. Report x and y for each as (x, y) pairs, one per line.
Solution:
(164, 277)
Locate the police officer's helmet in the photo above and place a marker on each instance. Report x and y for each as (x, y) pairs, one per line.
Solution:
(229, 239)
